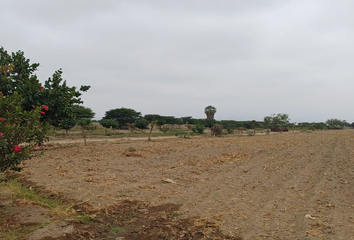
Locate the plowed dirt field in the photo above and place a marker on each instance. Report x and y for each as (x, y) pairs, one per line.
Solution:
(281, 186)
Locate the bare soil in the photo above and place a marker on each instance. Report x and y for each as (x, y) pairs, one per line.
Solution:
(281, 186)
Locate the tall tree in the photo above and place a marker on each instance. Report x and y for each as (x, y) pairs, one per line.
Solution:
(123, 115)
(82, 112)
(210, 112)
(280, 120)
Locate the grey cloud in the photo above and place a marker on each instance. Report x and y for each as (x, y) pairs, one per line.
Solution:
(247, 58)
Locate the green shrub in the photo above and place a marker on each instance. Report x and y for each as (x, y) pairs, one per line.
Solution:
(141, 123)
(164, 128)
(107, 123)
(84, 124)
(198, 128)
(229, 130)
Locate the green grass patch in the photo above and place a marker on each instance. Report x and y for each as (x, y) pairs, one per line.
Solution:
(21, 196)
(114, 230)
(12, 234)
(23, 193)
(82, 218)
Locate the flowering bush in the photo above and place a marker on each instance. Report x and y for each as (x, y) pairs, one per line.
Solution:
(17, 73)
(21, 132)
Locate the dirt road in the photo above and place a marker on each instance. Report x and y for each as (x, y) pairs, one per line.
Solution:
(283, 186)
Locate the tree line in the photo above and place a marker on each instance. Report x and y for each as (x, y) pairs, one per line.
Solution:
(28, 108)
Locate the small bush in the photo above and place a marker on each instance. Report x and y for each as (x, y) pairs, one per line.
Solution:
(198, 128)
(217, 130)
(229, 130)
(250, 133)
(164, 128)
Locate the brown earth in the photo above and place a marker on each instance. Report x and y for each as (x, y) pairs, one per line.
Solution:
(282, 186)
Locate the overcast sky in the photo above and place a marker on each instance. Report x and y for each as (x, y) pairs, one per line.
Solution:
(248, 58)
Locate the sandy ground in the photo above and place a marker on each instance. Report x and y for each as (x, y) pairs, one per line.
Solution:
(281, 186)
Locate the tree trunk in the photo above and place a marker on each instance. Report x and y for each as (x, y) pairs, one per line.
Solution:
(152, 126)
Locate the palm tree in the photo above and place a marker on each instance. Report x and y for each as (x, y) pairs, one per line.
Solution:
(210, 112)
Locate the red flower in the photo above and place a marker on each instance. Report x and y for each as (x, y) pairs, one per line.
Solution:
(1, 134)
(2, 119)
(36, 148)
(5, 124)
(45, 107)
(0, 92)
(42, 112)
(17, 148)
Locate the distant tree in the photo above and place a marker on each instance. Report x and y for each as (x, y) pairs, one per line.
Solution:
(320, 126)
(352, 124)
(155, 117)
(280, 120)
(84, 124)
(171, 120)
(67, 124)
(189, 120)
(254, 123)
(109, 123)
(189, 126)
(336, 123)
(82, 112)
(123, 115)
(247, 124)
(152, 124)
(208, 122)
(210, 112)
(292, 125)
(141, 123)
